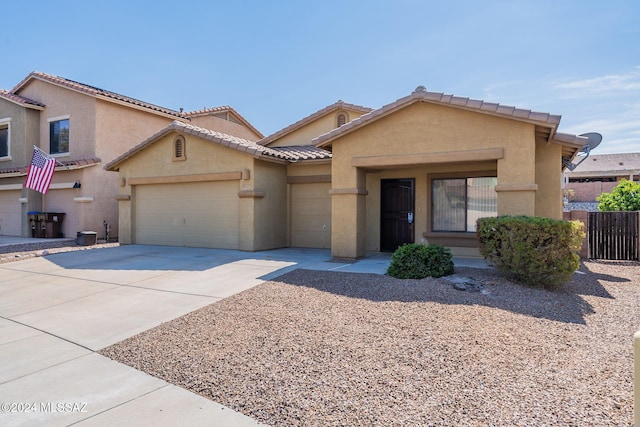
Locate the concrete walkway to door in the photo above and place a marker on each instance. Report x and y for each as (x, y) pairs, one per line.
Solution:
(57, 311)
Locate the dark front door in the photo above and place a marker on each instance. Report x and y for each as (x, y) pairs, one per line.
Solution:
(397, 204)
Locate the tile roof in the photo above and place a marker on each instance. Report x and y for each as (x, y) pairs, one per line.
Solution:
(93, 91)
(233, 142)
(223, 109)
(608, 165)
(422, 95)
(303, 152)
(310, 118)
(21, 100)
(64, 165)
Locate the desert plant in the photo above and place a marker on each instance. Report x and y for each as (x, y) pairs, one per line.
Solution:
(534, 251)
(417, 261)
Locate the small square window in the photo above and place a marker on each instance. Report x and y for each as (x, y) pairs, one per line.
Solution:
(59, 136)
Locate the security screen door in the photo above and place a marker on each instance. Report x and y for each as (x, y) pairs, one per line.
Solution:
(396, 213)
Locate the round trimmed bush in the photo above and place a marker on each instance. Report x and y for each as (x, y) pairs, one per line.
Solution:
(417, 261)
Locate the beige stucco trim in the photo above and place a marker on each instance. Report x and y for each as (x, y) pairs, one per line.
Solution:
(10, 187)
(342, 191)
(309, 179)
(516, 187)
(223, 176)
(87, 199)
(428, 158)
(251, 194)
(123, 197)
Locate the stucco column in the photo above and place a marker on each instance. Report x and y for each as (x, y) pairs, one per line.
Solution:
(516, 186)
(348, 216)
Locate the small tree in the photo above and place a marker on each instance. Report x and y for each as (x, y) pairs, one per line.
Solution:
(624, 197)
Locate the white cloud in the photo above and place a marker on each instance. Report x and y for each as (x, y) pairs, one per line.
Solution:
(610, 84)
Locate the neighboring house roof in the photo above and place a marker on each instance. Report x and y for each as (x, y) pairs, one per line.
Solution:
(21, 100)
(546, 124)
(93, 91)
(61, 166)
(340, 105)
(224, 112)
(598, 165)
(232, 142)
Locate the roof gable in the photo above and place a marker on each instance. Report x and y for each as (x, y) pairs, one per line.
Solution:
(21, 100)
(224, 112)
(281, 155)
(546, 121)
(337, 106)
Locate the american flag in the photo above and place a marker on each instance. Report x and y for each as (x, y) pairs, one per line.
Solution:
(40, 172)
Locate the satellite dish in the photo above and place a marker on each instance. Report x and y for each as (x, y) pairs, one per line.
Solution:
(593, 140)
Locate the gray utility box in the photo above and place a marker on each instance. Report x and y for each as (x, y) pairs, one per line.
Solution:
(86, 238)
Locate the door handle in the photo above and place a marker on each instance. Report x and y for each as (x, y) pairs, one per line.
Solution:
(410, 217)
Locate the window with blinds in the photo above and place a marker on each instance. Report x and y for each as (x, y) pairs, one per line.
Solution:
(457, 203)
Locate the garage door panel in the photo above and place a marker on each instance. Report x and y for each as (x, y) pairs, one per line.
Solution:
(202, 214)
(311, 215)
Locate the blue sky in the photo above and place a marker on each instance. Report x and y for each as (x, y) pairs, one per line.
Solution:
(276, 62)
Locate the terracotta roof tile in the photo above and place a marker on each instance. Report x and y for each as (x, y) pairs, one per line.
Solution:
(304, 152)
(93, 91)
(310, 118)
(21, 100)
(68, 164)
(422, 95)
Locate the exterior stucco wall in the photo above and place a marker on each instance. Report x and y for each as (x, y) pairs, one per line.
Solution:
(270, 211)
(421, 129)
(60, 102)
(549, 180)
(23, 127)
(305, 134)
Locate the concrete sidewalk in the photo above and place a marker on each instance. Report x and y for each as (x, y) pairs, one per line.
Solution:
(57, 311)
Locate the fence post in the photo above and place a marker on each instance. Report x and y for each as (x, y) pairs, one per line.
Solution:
(636, 379)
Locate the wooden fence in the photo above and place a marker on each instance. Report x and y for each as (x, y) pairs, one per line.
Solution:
(614, 235)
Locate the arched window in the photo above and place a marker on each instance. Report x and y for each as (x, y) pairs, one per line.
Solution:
(341, 119)
(179, 149)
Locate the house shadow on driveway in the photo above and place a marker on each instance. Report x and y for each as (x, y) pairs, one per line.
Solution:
(566, 305)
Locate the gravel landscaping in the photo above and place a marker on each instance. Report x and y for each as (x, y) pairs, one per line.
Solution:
(342, 349)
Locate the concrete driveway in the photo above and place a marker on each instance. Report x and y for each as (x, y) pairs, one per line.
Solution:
(57, 311)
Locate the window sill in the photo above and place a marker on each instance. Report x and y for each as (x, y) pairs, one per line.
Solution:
(6, 159)
(461, 239)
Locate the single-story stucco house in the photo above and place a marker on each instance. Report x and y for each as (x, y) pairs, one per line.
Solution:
(420, 169)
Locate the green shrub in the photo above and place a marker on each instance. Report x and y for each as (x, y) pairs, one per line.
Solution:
(534, 251)
(624, 197)
(417, 261)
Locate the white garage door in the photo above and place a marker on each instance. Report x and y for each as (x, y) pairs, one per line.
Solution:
(10, 213)
(198, 214)
(311, 215)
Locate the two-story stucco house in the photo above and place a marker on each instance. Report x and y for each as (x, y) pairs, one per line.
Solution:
(83, 127)
(420, 169)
